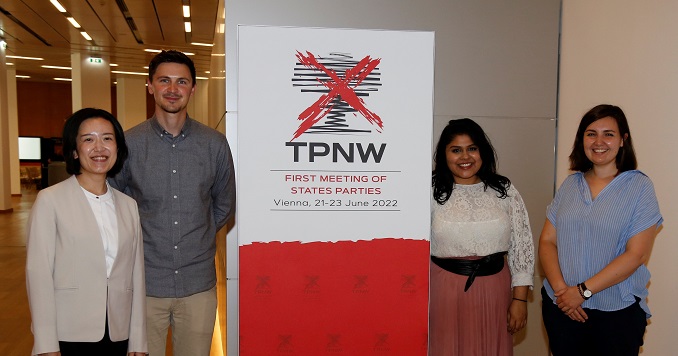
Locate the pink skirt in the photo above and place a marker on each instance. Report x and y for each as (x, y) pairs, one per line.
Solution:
(472, 323)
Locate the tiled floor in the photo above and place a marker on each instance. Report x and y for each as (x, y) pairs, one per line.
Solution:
(15, 320)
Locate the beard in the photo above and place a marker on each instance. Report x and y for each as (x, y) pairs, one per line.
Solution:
(171, 109)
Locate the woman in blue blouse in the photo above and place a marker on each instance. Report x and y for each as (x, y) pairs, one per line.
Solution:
(598, 235)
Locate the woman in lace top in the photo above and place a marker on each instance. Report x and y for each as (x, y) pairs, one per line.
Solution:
(478, 297)
(597, 237)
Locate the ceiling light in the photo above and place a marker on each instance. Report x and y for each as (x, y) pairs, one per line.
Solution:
(187, 26)
(202, 44)
(84, 34)
(56, 67)
(64, 79)
(132, 73)
(202, 78)
(3, 44)
(158, 51)
(73, 22)
(23, 76)
(57, 5)
(10, 64)
(187, 10)
(31, 58)
(113, 65)
(208, 72)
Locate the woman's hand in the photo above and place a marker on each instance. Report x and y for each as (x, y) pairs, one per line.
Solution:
(569, 302)
(517, 316)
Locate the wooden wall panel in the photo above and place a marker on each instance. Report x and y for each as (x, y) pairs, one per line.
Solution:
(43, 107)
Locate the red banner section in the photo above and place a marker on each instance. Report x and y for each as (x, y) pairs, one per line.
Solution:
(334, 298)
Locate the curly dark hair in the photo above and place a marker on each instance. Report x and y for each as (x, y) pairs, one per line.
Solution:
(442, 178)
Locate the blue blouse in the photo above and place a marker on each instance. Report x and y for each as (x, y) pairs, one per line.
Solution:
(591, 233)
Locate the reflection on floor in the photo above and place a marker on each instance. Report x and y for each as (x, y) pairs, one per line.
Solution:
(15, 320)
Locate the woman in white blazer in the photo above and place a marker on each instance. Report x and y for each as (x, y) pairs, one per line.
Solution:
(85, 263)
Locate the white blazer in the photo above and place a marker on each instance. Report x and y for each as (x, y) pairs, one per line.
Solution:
(68, 290)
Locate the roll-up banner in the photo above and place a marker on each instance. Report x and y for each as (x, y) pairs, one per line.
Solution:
(334, 186)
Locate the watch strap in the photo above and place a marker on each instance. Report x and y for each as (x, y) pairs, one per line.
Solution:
(581, 287)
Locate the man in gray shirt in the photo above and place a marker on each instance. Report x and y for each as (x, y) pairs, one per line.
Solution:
(181, 174)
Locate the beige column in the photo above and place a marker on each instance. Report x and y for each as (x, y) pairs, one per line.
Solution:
(91, 85)
(197, 106)
(13, 113)
(131, 99)
(5, 181)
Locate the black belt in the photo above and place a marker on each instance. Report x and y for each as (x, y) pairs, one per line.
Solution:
(486, 266)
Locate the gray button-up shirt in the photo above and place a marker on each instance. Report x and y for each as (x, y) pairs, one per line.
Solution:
(185, 189)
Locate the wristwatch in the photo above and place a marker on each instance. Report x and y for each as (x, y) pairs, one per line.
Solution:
(583, 291)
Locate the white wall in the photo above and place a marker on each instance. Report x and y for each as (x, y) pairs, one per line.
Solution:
(625, 52)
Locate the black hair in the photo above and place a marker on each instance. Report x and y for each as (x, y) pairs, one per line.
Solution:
(170, 56)
(626, 157)
(442, 178)
(70, 139)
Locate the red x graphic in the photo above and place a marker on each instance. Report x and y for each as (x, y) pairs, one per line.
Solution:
(337, 86)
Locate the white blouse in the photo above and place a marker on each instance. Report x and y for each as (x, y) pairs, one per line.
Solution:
(475, 222)
(103, 208)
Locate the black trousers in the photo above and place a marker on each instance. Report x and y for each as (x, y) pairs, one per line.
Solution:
(615, 333)
(103, 347)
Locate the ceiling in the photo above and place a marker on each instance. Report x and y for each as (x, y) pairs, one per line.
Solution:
(35, 28)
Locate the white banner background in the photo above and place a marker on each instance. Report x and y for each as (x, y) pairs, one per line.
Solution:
(269, 106)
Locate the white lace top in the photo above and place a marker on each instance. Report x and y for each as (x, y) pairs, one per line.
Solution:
(475, 222)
